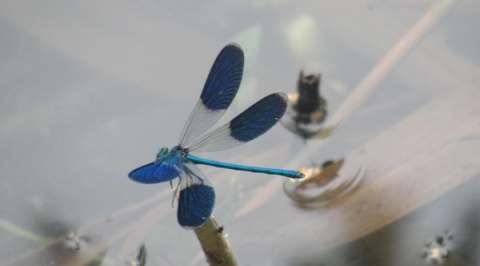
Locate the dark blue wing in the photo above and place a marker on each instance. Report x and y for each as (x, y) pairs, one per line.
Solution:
(224, 79)
(258, 118)
(218, 92)
(253, 122)
(196, 198)
(164, 169)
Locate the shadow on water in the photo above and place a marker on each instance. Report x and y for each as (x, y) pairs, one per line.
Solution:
(88, 245)
(448, 226)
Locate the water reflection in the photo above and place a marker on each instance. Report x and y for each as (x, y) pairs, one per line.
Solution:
(95, 78)
(76, 242)
(307, 109)
(140, 259)
(89, 244)
(438, 250)
(325, 184)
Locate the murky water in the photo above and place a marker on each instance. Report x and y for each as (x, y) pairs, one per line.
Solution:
(89, 91)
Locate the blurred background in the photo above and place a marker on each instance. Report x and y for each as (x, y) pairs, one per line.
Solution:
(90, 90)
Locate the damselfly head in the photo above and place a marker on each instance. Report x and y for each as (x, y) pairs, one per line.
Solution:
(163, 151)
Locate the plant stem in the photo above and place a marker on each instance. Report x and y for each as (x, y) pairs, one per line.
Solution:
(214, 244)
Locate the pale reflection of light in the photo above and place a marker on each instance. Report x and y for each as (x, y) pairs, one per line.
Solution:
(268, 4)
(302, 36)
(38, 118)
(100, 42)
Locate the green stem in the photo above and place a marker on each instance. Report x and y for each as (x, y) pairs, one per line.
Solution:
(9, 227)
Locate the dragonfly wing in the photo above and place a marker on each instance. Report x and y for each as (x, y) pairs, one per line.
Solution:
(163, 169)
(196, 197)
(248, 125)
(218, 92)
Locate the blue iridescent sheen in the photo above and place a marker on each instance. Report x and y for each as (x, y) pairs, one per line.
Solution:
(196, 196)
